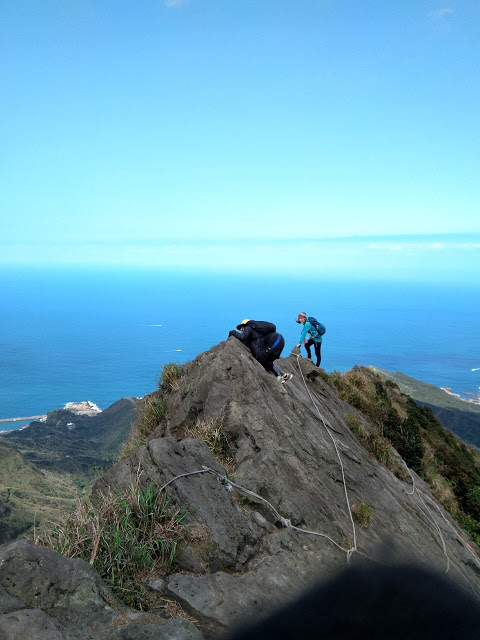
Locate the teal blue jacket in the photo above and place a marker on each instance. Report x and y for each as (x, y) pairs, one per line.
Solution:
(309, 328)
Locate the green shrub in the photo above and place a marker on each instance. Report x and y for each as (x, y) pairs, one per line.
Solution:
(376, 444)
(472, 501)
(325, 376)
(356, 427)
(470, 526)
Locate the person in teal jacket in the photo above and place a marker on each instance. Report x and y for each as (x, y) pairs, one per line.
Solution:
(315, 338)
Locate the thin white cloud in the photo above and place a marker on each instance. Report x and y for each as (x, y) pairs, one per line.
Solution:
(440, 20)
(174, 3)
(440, 14)
(422, 246)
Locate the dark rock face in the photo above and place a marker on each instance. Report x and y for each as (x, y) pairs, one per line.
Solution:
(286, 438)
(245, 555)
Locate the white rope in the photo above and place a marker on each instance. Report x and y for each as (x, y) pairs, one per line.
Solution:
(354, 547)
(453, 529)
(428, 514)
(285, 522)
(183, 475)
(410, 493)
(437, 527)
(421, 496)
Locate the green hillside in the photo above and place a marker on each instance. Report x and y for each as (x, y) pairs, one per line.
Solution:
(91, 442)
(461, 417)
(445, 462)
(28, 495)
(45, 468)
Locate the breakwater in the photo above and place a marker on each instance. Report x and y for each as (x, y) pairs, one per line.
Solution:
(42, 417)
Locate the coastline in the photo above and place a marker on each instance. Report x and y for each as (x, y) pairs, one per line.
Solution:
(86, 408)
(473, 399)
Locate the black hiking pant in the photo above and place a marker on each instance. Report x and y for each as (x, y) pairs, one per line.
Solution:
(267, 357)
(318, 350)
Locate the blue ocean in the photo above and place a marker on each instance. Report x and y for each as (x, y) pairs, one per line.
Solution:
(100, 335)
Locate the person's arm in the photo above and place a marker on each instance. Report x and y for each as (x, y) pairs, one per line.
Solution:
(243, 336)
(306, 328)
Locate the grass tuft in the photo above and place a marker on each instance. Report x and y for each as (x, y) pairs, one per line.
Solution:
(128, 537)
(362, 514)
(169, 379)
(151, 412)
(211, 432)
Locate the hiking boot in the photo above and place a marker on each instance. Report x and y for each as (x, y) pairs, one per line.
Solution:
(286, 377)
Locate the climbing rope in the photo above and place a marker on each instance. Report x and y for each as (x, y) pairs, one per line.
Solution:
(426, 511)
(428, 514)
(422, 495)
(335, 444)
(285, 522)
(183, 475)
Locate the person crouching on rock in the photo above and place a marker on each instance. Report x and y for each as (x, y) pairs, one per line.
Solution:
(265, 344)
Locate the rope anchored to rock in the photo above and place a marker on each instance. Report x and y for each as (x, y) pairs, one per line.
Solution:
(230, 485)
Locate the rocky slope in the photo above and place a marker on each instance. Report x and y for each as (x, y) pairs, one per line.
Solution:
(292, 447)
(302, 500)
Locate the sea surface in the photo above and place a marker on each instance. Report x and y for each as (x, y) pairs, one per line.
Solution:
(100, 335)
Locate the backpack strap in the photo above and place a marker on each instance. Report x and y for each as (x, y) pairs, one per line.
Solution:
(276, 342)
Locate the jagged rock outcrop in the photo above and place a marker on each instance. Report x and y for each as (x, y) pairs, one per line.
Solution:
(286, 439)
(293, 449)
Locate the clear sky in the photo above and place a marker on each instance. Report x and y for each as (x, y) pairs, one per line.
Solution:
(225, 133)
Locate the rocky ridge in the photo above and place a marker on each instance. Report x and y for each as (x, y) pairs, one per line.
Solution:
(285, 517)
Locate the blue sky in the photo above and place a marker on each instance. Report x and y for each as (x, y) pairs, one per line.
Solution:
(221, 134)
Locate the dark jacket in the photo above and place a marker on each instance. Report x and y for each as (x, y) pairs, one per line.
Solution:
(259, 343)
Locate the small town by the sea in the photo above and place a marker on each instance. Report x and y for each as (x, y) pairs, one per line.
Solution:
(85, 408)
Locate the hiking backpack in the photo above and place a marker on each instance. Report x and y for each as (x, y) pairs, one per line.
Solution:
(264, 328)
(318, 326)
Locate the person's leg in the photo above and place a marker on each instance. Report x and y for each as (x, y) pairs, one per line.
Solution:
(318, 352)
(308, 345)
(275, 353)
(277, 369)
